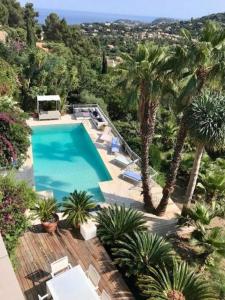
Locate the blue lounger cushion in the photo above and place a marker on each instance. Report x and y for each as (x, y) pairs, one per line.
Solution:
(115, 145)
(115, 142)
(115, 149)
(132, 175)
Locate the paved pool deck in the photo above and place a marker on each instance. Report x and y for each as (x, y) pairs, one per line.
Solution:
(116, 190)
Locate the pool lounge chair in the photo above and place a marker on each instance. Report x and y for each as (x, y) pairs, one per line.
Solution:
(125, 161)
(115, 146)
(106, 137)
(134, 176)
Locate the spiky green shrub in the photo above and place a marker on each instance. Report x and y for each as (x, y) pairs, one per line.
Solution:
(137, 253)
(116, 221)
(76, 207)
(45, 209)
(177, 283)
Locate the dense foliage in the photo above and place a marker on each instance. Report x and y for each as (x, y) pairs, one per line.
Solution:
(117, 221)
(14, 134)
(15, 199)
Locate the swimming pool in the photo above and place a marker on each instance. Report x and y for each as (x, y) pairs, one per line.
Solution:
(66, 159)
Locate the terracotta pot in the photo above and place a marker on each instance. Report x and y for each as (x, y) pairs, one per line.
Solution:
(51, 227)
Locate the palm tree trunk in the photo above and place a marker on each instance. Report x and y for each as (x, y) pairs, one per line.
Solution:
(148, 119)
(174, 166)
(194, 175)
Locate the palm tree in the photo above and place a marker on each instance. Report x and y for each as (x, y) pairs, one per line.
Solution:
(77, 207)
(138, 252)
(195, 65)
(205, 119)
(115, 222)
(141, 75)
(177, 284)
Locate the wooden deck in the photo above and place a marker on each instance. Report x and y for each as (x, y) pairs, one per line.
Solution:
(38, 249)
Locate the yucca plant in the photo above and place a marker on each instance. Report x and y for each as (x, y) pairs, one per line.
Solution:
(179, 283)
(76, 208)
(137, 253)
(116, 221)
(205, 120)
(45, 209)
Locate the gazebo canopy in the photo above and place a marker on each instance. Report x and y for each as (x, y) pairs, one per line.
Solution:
(48, 98)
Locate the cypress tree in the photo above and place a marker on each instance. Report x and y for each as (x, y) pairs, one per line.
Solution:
(104, 64)
(30, 19)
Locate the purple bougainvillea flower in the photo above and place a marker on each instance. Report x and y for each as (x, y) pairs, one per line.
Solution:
(9, 147)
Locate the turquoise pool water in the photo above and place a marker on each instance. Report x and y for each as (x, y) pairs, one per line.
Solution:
(65, 159)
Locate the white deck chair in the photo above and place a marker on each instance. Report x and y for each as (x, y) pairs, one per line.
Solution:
(93, 275)
(43, 297)
(125, 161)
(60, 265)
(105, 296)
(106, 135)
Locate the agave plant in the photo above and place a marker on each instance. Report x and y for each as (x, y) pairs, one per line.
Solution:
(116, 221)
(177, 284)
(76, 208)
(137, 253)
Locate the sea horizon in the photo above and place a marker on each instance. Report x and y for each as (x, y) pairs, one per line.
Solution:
(79, 17)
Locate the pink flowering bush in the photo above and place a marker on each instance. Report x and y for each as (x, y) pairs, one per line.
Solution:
(15, 198)
(14, 139)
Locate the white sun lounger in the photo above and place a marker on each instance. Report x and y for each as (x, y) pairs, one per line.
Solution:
(106, 137)
(125, 160)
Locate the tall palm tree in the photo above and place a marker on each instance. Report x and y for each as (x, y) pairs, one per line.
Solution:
(177, 284)
(116, 221)
(137, 253)
(141, 75)
(205, 119)
(198, 64)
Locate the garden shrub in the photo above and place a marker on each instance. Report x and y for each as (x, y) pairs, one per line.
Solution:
(14, 134)
(15, 198)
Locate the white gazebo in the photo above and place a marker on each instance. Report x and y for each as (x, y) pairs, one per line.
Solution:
(52, 114)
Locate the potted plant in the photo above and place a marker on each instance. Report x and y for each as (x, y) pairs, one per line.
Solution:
(77, 207)
(46, 210)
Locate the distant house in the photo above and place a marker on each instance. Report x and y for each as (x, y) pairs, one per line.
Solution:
(3, 36)
(112, 63)
(110, 47)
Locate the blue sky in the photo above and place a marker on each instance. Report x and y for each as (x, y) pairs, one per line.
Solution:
(155, 8)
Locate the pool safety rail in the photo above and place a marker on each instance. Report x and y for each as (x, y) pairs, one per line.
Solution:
(126, 147)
